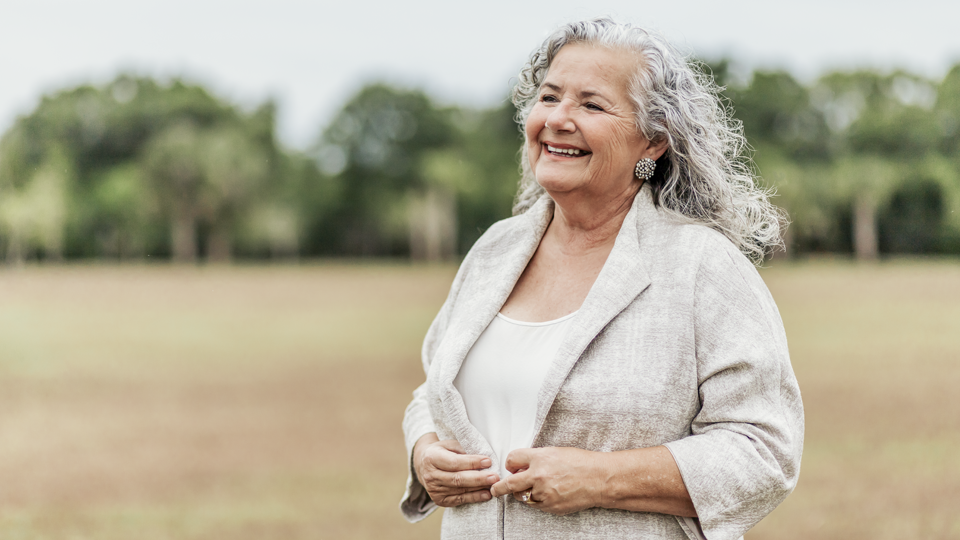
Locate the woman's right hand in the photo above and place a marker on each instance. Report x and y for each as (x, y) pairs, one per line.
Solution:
(451, 477)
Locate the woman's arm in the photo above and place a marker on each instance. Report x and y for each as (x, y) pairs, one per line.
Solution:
(644, 480)
(743, 455)
(565, 480)
(418, 423)
(416, 503)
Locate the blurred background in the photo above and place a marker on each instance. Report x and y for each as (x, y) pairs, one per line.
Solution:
(203, 203)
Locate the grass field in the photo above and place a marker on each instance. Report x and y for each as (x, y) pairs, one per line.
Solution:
(256, 402)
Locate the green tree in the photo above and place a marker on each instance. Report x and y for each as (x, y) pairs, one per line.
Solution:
(490, 147)
(374, 152)
(124, 212)
(778, 112)
(884, 127)
(234, 171)
(791, 143)
(173, 163)
(116, 139)
(947, 168)
(33, 212)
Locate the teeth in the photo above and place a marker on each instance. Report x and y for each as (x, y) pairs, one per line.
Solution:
(568, 151)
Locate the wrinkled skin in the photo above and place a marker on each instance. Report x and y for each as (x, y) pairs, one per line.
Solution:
(562, 480)
(451, 477)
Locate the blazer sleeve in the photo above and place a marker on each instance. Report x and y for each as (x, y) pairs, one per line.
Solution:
(417, 420)
(743, 455)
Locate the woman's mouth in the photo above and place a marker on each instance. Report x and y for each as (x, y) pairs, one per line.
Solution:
(565, 152)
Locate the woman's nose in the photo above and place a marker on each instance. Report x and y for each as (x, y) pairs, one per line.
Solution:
(560, 119)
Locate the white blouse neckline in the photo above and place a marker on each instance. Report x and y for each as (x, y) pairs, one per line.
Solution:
(544, 323)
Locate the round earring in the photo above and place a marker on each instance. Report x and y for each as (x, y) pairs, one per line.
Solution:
(645, 168)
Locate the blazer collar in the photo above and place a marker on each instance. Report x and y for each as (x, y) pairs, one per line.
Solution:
(494, 276)
(621, 280)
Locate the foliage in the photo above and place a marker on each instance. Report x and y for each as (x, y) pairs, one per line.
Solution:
(374, 148)
(863, 161)
(141, 164)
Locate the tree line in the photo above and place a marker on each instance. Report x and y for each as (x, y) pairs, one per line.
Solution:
(864, 162)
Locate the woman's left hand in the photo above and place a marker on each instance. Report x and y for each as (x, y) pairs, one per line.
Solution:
(560, 480)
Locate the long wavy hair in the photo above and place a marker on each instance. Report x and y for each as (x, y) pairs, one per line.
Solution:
(706, 175)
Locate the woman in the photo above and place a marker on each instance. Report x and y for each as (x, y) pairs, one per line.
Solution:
(608, 363)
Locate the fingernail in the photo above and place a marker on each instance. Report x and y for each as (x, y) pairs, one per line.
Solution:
(492, 479)
(485, 496)
(485, 462)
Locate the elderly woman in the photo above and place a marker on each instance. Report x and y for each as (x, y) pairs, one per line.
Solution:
(608, 363)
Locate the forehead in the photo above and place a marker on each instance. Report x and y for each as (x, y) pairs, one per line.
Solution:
(583, 64)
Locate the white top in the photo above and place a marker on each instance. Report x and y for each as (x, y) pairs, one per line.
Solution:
(501, 377)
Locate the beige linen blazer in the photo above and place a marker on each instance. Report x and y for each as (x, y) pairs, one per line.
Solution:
(678, 343)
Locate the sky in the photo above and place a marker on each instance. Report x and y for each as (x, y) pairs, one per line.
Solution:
(310, 56)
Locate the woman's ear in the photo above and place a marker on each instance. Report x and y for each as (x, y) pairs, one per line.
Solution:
(656, 150)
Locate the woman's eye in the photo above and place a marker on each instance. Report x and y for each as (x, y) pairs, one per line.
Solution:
(549, 98)
(594, 107)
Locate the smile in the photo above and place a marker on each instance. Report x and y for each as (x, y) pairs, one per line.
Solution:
(569, 152)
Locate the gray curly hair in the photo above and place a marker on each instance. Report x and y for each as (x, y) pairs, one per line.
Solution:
(705, 176)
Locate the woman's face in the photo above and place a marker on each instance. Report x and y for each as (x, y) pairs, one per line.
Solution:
(581, 135)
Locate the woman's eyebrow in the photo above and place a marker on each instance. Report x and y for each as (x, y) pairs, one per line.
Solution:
(551, 86)
(592, 93)
(583, 94)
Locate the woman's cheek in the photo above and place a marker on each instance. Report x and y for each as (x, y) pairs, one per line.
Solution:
(533, 151)
(536, 122)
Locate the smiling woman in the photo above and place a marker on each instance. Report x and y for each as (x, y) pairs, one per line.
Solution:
(608, 363)
(582, 142)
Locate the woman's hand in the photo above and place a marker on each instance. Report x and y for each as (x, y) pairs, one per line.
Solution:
(565, 480)
(451, 477)
(559, 480)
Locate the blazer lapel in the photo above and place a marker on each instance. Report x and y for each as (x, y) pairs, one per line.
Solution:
(621, 280)
(496, 275)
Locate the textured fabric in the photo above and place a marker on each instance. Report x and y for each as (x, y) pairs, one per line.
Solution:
(501, 378)
(678, 343)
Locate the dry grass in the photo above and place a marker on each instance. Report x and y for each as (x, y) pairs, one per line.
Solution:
(155, 402)
(877, 353)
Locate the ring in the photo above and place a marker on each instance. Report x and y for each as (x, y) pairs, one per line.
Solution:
(527, 497)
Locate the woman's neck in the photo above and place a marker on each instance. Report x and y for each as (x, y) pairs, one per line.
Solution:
(582, 225)
(569, 258)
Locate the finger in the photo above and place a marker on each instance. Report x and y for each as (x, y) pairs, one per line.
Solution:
(512, 484)
(526, 493)
(452, 461)
(462, 480)
(465, 498)
(519, 459)
(452, 497)
(447, 496)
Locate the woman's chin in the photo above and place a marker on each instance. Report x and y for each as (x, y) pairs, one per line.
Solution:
(555, 184)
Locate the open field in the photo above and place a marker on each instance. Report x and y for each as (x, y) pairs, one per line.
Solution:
(265, 402)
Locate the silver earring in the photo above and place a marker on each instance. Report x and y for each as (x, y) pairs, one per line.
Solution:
(645, 168)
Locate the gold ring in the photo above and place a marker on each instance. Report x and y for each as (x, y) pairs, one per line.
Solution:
(527, 497)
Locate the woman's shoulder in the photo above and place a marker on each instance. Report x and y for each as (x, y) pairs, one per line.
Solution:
(674, 239)
(709, 265)
(501, 242)
(685, 238)
(501, 231)
(678, 242)
(514, 232)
